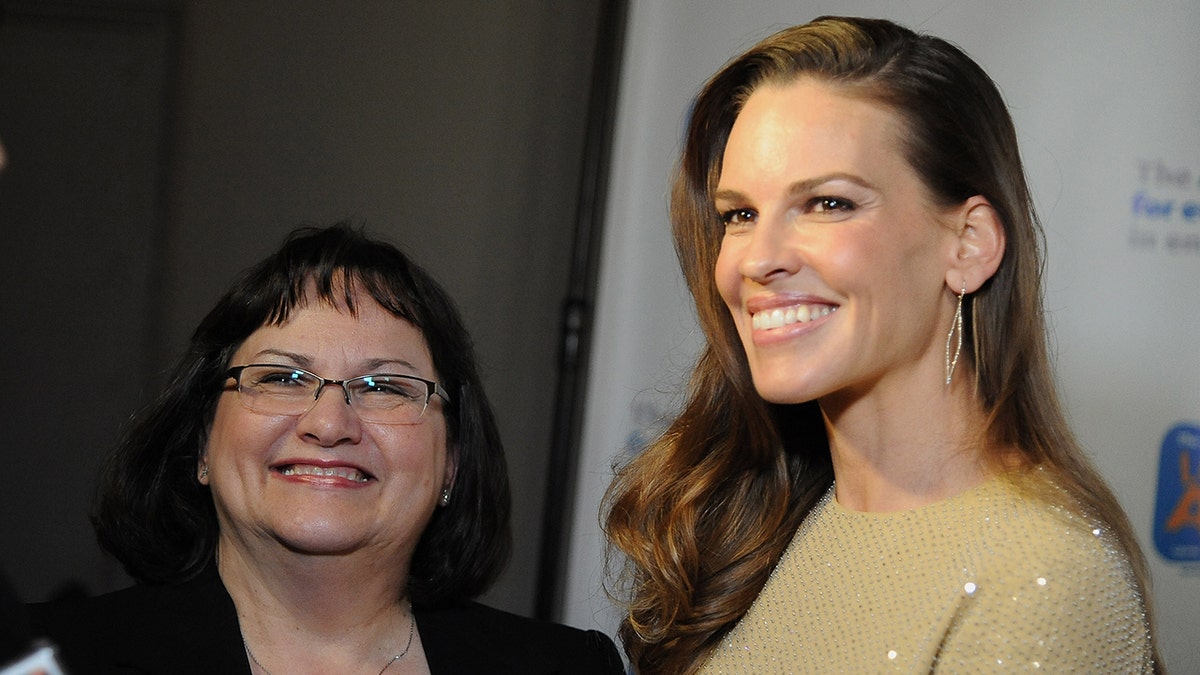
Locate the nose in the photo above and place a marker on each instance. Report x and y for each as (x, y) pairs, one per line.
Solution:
(331, 420)
(769, 251)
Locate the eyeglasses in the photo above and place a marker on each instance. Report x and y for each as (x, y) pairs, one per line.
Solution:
(382, 398)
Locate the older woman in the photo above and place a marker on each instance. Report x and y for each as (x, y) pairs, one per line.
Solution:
(872, 472)
(319, 489)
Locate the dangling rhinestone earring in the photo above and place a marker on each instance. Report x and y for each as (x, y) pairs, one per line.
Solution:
(955, 329)
(204, 472)
(445, 500)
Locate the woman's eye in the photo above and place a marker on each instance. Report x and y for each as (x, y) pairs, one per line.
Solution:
(279, 378)
(393, 388)
(736, 217)
(831, 205)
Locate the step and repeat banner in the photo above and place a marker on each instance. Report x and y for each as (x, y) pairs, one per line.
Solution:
(1106, 99)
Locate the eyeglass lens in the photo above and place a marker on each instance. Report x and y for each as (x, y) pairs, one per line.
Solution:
(383, 398)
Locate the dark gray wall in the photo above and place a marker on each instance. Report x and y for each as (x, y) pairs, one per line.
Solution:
(81, 116)
(454, 128)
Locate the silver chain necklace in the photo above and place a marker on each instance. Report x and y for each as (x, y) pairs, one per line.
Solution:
(412, 622)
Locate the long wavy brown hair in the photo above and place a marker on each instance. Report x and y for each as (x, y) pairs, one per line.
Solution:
(699, 520)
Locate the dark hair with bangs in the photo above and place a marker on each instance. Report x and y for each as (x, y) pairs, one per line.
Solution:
(152, 513)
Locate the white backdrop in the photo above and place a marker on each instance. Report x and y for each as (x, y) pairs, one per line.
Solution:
(1106, 98)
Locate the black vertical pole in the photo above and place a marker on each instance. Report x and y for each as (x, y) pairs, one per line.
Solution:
(577, 310)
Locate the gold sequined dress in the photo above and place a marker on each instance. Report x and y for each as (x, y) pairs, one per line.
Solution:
(986, 581)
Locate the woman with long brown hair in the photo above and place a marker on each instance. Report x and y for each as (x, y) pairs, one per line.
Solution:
(872, 470)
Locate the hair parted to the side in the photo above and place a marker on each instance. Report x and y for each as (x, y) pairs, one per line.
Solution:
(154, 516)
(699, 520)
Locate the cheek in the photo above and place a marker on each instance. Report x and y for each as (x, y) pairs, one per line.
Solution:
(414, 450)
(853, 260)
(904, 267)
(237, 432)
(220, 430)
(856, 260)
(726, 274)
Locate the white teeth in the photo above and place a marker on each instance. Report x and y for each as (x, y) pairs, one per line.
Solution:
(340, 472)
(780, 317)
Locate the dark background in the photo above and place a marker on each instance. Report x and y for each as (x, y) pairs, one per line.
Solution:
(156, 148)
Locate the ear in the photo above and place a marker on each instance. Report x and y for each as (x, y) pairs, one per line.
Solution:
(979, 245)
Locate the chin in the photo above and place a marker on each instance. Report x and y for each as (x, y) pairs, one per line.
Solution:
(781, 395)
(320, 536)
(311, 545)
(782, 392)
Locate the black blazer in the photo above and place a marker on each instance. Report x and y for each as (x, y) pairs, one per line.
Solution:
(192, 628)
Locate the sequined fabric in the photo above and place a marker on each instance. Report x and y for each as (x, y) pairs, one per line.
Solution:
(987, 581)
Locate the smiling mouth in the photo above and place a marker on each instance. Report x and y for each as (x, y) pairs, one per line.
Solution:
(350, 474)
(786, 316)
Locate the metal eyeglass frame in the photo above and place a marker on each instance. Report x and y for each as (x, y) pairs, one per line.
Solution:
(432, 388)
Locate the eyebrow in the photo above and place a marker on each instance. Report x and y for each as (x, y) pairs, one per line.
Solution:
(800, 187)
(306, 362)
(299, 359)
(377, 364)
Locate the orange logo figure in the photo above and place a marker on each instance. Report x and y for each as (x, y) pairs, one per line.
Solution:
(1187, 511)
(1177, 504)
